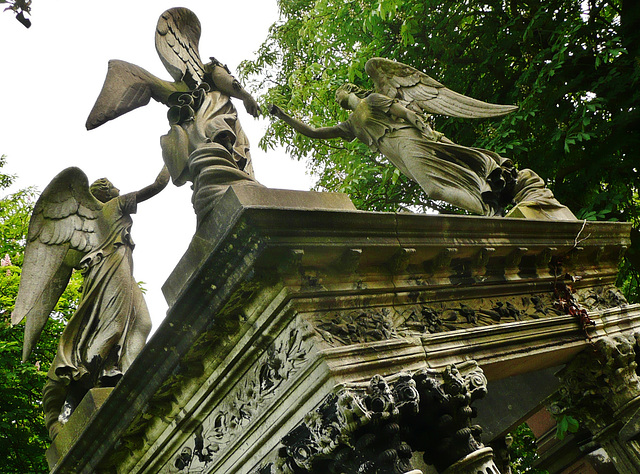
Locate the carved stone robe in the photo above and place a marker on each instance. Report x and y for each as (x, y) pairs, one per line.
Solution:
(447, 172)
(209, 149)
(112, 321)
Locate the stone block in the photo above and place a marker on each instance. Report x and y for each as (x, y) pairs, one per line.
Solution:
(76, 425)
(525, 210)
(235, 201)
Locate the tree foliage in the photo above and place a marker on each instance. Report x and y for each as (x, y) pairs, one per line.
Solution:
(523, 451)
(23, 436)
(572, 66)
(19, 7)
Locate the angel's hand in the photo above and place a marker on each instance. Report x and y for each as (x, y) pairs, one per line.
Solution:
(251, 106)
(154, 188)
(417, 121)
(275, 110)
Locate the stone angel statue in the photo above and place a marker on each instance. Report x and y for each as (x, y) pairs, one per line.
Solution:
(75, 225)
(206, 144)
(390, 121)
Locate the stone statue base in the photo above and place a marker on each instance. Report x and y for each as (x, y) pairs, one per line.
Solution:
(299, 327)
(533, 210)
(478, 461)
(78, 421)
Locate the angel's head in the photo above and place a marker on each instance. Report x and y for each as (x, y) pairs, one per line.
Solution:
(104, 190)
(349, 95)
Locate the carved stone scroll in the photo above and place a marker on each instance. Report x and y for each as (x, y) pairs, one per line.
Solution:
(245, 403)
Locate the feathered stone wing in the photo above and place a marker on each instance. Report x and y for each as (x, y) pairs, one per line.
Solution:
(64, 226)
(126, 88)
(177, 38)
(423, 93)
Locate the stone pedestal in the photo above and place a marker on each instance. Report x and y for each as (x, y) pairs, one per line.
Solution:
(299, 326)
(77, 423)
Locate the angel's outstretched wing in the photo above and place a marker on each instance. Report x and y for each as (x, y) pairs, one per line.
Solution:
(64, 226)
(177, 38)
(126, 88)
(422, 93)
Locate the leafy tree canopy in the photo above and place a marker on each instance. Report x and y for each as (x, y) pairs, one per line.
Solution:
(23, 436)
(572, 66)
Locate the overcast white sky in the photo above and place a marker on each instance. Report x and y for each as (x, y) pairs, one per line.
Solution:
(51, 75)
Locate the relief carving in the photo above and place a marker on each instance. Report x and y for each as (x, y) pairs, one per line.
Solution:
(378, 324)
(243, 404)
(600, 298)
(600, 382)
(377, 429)
(353, 327)
(600, 387)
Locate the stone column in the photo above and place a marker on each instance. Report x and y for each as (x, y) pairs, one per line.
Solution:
(377, 430)
(601, 389)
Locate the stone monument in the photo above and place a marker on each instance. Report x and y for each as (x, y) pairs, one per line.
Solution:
(87, 228)
(305, 336)
(206, 144)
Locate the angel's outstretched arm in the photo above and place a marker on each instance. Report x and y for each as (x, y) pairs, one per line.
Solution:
(158, 185)
(304, 129)
(229, 85)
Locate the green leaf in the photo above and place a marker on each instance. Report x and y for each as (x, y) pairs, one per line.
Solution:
(572, 424)
(561, 427)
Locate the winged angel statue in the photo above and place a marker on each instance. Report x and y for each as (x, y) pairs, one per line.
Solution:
(77, 226)
(206, 144)
(390, 121)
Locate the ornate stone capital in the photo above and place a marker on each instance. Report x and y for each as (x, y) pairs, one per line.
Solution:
(376, 429)
(600, 385)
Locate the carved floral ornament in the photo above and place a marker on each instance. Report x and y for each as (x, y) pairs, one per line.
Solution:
(601, 384)
(377, 428)
(244, 404)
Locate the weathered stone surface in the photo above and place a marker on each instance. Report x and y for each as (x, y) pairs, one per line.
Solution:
(478, 461)
(601, 388)
(377, 428)
(77, 226)
(480, 181)
(525, 210)
(224, 217)
(266, 322)
(205, 144)
(76, 424)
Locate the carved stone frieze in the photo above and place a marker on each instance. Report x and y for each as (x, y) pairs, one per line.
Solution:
(246, 401)
(353, 327)
(600, 297)
(376, 430)
(339, 328)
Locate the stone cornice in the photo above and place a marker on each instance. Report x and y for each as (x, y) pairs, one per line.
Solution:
(256, 265)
